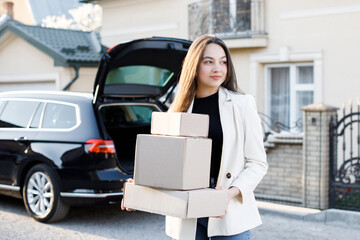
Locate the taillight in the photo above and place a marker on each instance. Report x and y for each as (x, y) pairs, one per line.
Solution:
(100, 146)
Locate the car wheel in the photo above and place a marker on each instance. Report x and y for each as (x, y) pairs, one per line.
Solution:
(41, 195)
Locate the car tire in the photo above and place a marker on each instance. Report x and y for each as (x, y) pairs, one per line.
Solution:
(41, 195)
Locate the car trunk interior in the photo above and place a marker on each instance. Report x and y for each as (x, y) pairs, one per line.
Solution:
(123, 122)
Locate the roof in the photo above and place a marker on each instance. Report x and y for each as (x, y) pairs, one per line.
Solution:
(67, 47)
(89, 1)
(49, 95)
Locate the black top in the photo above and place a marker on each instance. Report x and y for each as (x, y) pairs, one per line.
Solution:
(210, 105)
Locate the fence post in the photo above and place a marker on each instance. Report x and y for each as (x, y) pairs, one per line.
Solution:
(316, 119)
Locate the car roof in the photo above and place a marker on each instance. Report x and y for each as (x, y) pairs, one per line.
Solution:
(49, 95)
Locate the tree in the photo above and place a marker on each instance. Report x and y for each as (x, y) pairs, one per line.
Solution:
(85, 18)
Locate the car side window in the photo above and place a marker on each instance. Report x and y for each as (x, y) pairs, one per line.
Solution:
(17, 114)
(2, 104)
(35, 122)
(59, 116)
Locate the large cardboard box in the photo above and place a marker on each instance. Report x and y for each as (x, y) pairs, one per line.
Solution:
(180, 124)
(181, 204)
(176, 163)
(180, 228)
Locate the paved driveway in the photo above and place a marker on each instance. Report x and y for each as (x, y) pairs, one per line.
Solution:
(100, 223)
(90, 223)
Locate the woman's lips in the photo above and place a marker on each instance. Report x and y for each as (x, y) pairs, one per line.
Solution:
(216, 77)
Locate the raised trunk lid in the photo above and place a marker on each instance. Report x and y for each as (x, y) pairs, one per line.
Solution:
(141, 68)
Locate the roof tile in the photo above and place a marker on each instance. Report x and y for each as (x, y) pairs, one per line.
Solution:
(70, 45)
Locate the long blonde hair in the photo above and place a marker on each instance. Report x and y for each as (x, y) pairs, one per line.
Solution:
(187, 82)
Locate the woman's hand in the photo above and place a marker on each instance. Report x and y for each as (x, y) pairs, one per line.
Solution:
(122, 200)
(231, 192)
(124, 208)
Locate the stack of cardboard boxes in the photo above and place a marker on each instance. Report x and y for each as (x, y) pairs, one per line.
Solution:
(172, 170)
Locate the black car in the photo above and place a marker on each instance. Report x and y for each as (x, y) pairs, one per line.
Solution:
(59, 149)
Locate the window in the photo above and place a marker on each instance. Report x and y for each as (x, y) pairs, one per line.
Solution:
(227, 18)
(35, 122)
(231, 16)
(17, 114)
(59, 116)
(126, 115)
(139, 74)
(2, 105)
(288, 88)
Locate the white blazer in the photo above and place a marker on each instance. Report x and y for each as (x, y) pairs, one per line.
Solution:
(243, 162)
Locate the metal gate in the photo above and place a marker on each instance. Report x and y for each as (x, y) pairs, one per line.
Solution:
(345, 161)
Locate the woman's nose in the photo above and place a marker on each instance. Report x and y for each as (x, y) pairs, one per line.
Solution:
(216, 67)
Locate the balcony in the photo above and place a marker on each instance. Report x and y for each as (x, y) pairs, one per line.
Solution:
(241, 23)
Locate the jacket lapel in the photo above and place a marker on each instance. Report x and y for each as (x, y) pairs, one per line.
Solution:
(227, 125)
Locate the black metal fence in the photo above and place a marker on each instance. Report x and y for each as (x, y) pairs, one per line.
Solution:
(345, 160)
(227, 18)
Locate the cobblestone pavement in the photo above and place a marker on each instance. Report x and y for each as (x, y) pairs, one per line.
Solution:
(100, 223)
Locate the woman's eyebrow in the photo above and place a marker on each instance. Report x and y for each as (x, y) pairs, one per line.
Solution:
(213, 58)
(207, 57)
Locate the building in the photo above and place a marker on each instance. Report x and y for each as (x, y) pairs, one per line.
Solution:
(35, 57)
(287, 54)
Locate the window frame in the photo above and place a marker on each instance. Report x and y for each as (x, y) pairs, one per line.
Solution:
(20, 101)
(45, 101)
(294, 87)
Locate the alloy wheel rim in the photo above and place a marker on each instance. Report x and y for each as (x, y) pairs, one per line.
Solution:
(40, 194)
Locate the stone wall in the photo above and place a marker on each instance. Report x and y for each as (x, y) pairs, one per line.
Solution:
(316, 154)
(283, 183)
(299, 165)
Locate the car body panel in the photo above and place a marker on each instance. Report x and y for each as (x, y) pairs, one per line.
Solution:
(12, 143)
(64, 150)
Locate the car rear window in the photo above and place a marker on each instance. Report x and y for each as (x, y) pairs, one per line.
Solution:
(59, 116)
(17, 114)
(126, 115)
(139, 74)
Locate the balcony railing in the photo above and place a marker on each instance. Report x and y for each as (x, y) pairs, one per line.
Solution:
(227, 18)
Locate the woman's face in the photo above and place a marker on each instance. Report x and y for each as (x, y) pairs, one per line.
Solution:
(212, 69)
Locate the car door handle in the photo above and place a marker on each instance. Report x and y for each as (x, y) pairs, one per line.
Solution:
(22, 139)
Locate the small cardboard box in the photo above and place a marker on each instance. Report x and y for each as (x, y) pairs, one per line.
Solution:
(180, 228)
(182, 204)
(180, 124)
(176, 163)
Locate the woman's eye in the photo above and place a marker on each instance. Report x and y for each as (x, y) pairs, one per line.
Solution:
(208, 62)
(223, 62)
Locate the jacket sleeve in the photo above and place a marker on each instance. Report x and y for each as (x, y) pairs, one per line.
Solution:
(254, 152)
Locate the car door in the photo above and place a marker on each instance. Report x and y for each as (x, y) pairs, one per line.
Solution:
(15, 135)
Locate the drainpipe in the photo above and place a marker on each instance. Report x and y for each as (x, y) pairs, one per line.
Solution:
(76, 68)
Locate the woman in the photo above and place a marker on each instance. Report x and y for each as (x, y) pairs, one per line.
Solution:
(208, 85)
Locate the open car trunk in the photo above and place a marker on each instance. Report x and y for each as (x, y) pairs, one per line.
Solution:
(123, 122)
(133, 80)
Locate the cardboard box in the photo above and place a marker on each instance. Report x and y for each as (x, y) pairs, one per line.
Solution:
(182, 204)
(180, 228)
(180, 124)
(176, 163)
